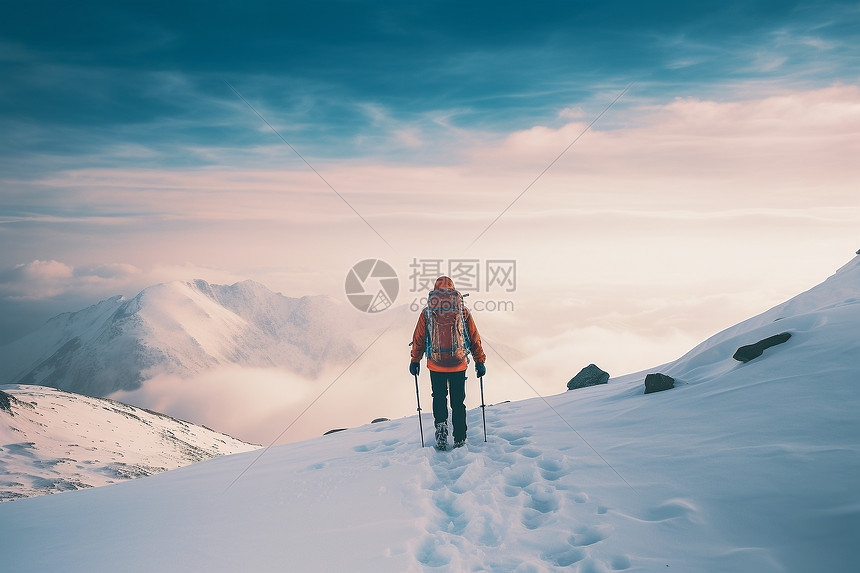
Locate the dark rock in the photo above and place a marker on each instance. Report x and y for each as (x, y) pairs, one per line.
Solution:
(333, 431)
(658, 382)
(750, 351)
(377, 420)
(5, 402)
(858, 252)
(591, 375)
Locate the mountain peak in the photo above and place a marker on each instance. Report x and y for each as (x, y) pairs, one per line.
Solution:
(851, 265)
(92, 442)
(741, 467)
(181, 328)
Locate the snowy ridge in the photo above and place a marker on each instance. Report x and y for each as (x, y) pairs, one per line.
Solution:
(740, 468)
(829, 301)
(180, 328)
(53, 441)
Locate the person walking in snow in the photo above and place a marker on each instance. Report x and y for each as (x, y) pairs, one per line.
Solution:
(446, 332)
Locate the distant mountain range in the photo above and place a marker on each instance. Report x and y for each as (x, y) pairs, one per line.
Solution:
(744, 466)
(181, 328)
(53, 441)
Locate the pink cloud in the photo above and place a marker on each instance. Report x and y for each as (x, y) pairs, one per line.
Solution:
(795, 148)
(803, 137)
(685, 186)
(37, 279)
(47, 279)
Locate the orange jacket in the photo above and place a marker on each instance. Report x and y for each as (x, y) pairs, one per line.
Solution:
(418, 337)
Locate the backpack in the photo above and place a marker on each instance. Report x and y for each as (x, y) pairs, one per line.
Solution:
(447, 339)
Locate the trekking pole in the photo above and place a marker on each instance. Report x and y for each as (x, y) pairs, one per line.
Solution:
(420, 424)
(483, 413)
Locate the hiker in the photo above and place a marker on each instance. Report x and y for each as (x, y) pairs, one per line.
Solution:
(451, 336)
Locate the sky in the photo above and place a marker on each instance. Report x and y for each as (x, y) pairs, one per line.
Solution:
(658, 170)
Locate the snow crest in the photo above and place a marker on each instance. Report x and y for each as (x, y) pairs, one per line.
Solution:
(181, 328)
(741, 467)
(53, 441)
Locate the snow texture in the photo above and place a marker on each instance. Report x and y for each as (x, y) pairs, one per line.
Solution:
(180, 328)
(740, 468)
(53, 441)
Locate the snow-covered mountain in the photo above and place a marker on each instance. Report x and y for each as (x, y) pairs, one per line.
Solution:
(835, 301)
(53, 441)
(742, 467)
(181, 328)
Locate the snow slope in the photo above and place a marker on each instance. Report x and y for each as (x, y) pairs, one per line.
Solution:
(180, 328)
(53, 441)
(740, 468)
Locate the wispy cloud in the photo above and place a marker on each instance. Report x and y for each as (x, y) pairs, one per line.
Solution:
(151, 83)
(731, 165)
(46, 279)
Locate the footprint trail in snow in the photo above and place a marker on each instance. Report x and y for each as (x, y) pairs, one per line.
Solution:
(507, 505)
(528, 500)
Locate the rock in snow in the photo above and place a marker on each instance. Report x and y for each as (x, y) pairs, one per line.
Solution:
(746, 470)
(658, 382)
(591, 375)
(751, 351)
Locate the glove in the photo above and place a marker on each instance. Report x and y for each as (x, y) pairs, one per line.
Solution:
(414, 367)
(480, 369)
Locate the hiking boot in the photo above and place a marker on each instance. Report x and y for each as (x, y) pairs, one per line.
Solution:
(442, 435)
(459, 443)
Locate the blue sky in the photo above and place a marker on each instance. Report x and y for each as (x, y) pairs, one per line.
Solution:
(336, 77)
(125, 159)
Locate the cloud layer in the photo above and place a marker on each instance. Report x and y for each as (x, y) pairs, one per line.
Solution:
(724, 181)
(692, 199)
(47, 279)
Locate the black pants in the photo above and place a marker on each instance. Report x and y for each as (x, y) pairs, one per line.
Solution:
(456, 381)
